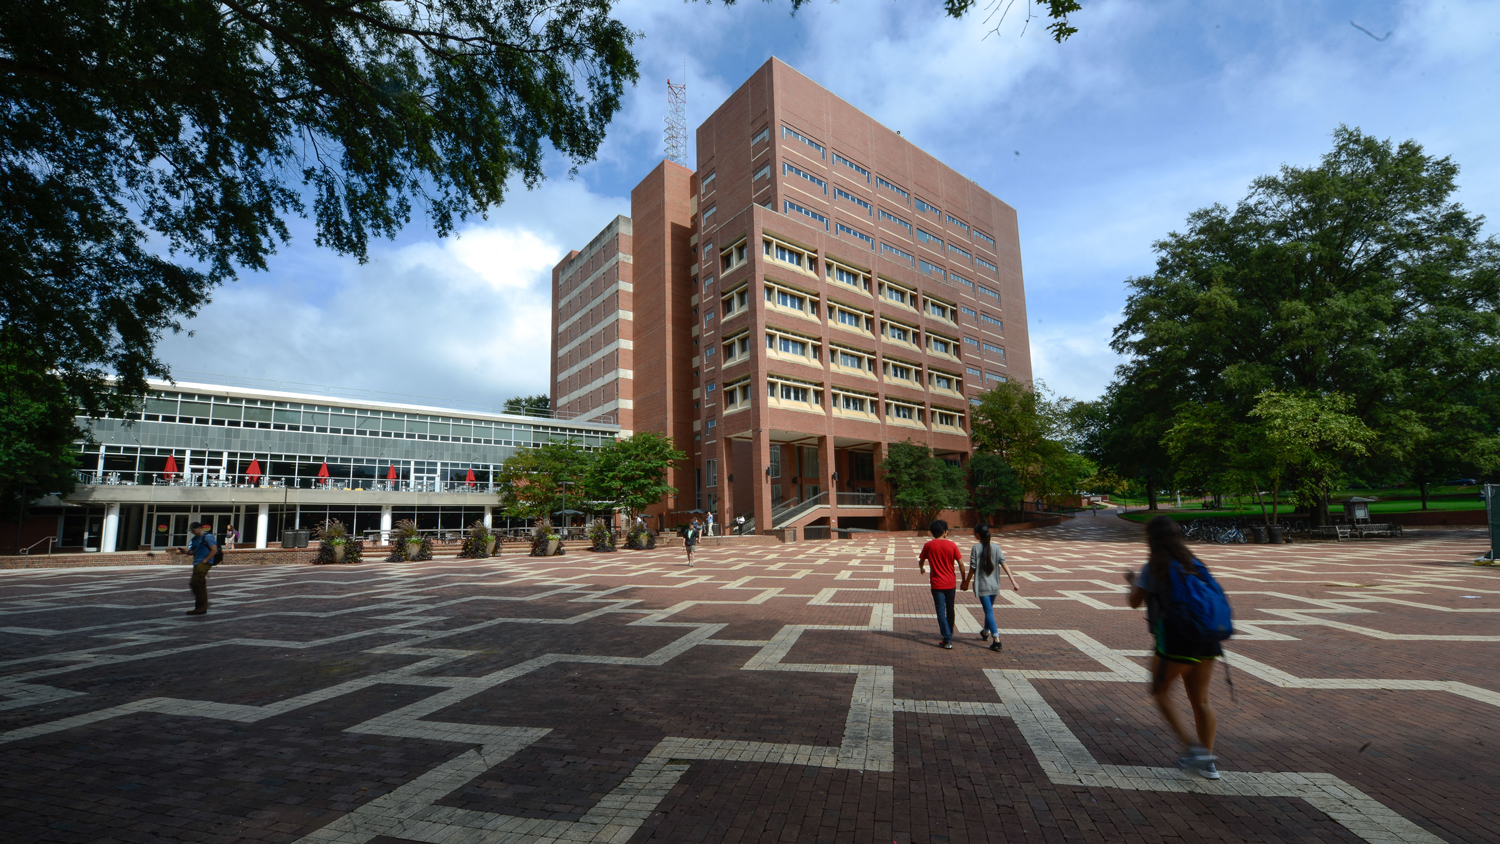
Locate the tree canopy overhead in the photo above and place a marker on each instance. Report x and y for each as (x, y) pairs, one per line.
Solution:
(195, 128)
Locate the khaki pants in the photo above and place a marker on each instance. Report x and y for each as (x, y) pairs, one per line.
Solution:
(199, 585)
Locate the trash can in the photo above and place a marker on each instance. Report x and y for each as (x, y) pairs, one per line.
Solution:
(1260, 534)
(289, 539)
(303, 536)
(1276, 536)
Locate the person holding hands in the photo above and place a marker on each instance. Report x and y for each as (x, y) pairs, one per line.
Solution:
(986, 561)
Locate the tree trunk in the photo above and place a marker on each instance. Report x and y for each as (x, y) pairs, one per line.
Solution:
(1275, 499)
(1151, 497)
(1422, 488)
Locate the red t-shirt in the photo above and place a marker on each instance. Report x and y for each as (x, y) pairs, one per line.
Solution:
(941, 556)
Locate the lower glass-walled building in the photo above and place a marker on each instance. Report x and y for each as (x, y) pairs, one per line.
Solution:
(267, 461)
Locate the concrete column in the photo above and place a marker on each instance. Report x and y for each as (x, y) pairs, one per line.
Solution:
(726, 487)
(489, 515)
(263, 526)
(111, 533)
(385, 522)
(760, 461)
(877, 456)
(826, 468)
(187, 466)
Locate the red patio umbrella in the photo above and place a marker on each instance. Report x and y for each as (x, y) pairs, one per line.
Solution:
(323, 470)
(390, 474)
(253, 471)
(170, 470)
(470, 479)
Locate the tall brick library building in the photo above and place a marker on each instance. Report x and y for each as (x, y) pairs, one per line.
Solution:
(817, 289)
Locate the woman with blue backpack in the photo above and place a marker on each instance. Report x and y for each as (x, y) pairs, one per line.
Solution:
(1189, 617)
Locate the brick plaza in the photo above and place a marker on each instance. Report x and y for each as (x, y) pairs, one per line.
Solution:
(772, 693)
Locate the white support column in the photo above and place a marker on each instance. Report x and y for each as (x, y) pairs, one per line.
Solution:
(263, 526)
(187, 468)
(385, 524)
(489, 519)
(111, 533)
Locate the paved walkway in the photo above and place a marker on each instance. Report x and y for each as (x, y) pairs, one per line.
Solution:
(788, 693)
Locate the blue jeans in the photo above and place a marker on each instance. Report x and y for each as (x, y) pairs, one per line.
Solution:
(988, 601)
(942, 601)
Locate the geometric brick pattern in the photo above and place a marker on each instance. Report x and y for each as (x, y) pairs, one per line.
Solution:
(772, 693)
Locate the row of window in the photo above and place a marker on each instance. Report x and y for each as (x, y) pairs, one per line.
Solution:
(785, 344)
(783, 391)
(881, 183)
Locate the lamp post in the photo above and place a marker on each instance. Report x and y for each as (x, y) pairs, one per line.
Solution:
(565, 485)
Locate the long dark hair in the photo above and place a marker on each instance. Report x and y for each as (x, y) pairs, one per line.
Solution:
(1164, 538)
(987, 565)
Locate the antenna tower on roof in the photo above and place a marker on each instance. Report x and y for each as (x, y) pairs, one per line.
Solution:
(675, 134)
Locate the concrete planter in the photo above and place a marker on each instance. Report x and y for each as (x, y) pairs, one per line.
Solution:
(338, 553)
(552, 546)
(413, 548)
(489, 547)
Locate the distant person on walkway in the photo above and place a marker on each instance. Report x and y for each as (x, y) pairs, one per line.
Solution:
(710, 531)
(986, 561)
(942, 557)
(690, 538)
(231, 536)
(1182, 651)
(206, 555)
(739, 524)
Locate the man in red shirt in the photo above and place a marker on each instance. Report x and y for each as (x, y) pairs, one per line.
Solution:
(942, 555)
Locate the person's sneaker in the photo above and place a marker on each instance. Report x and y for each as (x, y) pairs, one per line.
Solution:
(947, 645)
(995, 646)
(1201, 762)
(984, 635)
(197, 612)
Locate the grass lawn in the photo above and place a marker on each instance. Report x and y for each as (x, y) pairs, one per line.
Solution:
(1389, 501)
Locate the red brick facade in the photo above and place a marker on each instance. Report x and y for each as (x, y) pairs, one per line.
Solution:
(818, 289)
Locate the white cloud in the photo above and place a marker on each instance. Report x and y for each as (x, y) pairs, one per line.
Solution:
(1073, 357)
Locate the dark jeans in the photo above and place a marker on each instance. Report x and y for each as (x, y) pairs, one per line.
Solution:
(942, 601)
(199, 585)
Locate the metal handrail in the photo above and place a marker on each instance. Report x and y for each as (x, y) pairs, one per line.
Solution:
(860, 499)
(797, 512)
(26, 552)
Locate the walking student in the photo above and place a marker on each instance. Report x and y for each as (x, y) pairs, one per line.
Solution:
(986, 561)
(1188, 616)
(206, 555)
(690, 538)
(942, 557)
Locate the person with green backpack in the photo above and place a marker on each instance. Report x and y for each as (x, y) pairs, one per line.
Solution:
(1189, 618)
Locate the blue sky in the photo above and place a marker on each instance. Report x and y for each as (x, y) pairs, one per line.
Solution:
(1103, 144)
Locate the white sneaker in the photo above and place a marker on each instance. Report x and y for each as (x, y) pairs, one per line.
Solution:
(1201, 762)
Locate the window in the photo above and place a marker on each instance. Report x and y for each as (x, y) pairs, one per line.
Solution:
(957, 250)
(736, 348)
(844, 275)
(708, 182)
(897, 331)
(972, 342)
(986, 318)
(709, 212)
(788, 132)
(972, 371)
(940, 310)
(905, 412)
(954, 221)
(972, 314)
(786, 299)
(894, 252)
(708, 316)
(886, 215)
(736, 300)
(708, 352)
(942, 381)
(898, 294)
(790, 207)
(852, 359)
(882, 183)
(991, 347)
(985, 291)
(840, 193)
(839, 159)
(898, 371)
(708, 281)
(793, 170)
(942, 345)
(986, 238)
(986, 264)
(840, 230)
(783, 390)
(930, 239)
(851, 319)
(737, 395)
(787, 345)
(775, 466)
(761, 173)
(961, 280)
(945, 418)
(853, 403)
(931, 269)
(712, 423)
(712, 386)
(791, 255)
(713, 465)
(927, 209)
(994, 376)
(732, 257)
(761, 135)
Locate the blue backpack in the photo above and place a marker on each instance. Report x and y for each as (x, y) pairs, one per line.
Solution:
(1196, 606)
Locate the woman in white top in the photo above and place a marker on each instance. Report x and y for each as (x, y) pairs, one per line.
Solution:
(986, 561)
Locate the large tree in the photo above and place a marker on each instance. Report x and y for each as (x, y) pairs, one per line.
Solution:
(631, 472)
(538, 482)
(1360, 276)
(921, 484)
(1036, 432)
(37, 432)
